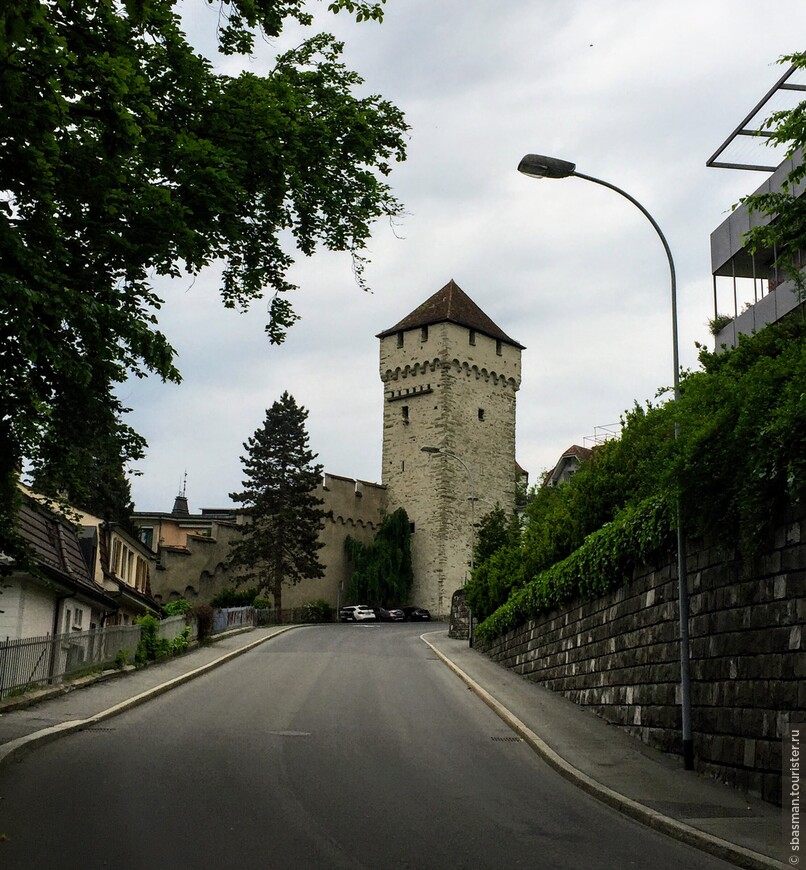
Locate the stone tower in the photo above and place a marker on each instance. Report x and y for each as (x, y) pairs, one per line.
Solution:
(450, 376)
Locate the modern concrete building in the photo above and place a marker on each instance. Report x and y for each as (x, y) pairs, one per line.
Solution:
(750, 291)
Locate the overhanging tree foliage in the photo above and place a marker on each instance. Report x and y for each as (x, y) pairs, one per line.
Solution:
(124, 156)
(382, 573)
(786, 233)
(280, 542)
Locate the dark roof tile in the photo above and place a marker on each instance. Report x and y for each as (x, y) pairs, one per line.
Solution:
(453, 305)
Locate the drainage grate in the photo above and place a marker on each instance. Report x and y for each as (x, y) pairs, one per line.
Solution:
(91, 730)
(507, 739)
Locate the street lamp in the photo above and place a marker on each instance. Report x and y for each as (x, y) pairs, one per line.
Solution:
(540, 166)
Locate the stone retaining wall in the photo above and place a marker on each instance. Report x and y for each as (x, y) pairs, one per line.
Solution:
(619, 656)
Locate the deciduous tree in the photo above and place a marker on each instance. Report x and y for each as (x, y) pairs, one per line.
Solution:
(280, 541)
(125, 156)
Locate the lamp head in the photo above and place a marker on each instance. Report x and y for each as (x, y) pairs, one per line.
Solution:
(431, 450)
(540, 166)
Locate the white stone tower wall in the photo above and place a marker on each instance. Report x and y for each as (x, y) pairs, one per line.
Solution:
(443, 391)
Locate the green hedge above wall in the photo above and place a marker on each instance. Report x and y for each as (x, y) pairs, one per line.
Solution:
(739, 458)
(602, 563)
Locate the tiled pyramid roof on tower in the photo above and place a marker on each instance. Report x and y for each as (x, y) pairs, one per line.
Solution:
(451, 303)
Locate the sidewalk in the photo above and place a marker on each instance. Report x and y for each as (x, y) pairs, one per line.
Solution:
(618, 769)
(602, 760)
(49, 713)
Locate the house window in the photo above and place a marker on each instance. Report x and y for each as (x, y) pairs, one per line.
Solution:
(78, 618)
(405, 410)
(498, 347)
(411, 528)
(423, 333)
(116, 557)
(472, 336)
(481, 414)
(400, 339)
(68, 615)
(402, 464)
(147, 537)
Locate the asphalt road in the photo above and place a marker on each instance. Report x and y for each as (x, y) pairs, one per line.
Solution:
(340, 746)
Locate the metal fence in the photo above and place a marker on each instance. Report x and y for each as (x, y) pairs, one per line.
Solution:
(36, 661)
(232, 617)
(33, 662)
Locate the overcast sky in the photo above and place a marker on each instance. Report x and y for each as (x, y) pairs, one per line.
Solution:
(637, 93)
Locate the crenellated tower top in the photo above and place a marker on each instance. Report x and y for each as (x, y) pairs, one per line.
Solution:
(450, 376)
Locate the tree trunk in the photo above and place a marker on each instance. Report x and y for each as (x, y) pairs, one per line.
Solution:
(278, 598)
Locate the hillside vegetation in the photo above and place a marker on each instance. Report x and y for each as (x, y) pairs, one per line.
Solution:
(739, 458)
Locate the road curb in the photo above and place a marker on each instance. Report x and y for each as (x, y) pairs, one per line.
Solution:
(14, 749)
(738, 855)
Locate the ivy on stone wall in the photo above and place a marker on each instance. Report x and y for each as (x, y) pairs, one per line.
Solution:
(382, 573)
(604, 562)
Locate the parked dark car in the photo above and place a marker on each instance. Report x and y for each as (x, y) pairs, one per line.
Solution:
(391, 614)
(417, 614)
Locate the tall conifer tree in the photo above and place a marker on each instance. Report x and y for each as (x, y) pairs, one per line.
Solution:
(280, 545)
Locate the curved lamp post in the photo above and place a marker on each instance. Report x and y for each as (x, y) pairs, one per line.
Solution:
(540, 166)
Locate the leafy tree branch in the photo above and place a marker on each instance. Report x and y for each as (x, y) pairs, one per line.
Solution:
(125, 156)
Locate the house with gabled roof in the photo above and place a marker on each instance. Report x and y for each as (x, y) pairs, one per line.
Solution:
(567, 465)
(122, 565)
(56, 594)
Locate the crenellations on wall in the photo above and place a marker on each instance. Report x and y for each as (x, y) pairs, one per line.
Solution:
(194, 566)
(618, 655)
(451, 387)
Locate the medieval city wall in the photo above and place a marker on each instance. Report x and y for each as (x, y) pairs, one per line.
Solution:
(197, 570)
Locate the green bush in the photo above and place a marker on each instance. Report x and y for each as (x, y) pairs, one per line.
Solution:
(150, 647)
(181, 641)
(178, 607)
(235, 598)
(738, 460)
(317, 611)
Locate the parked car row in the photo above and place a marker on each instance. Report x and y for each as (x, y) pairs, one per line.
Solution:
(362, 613)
